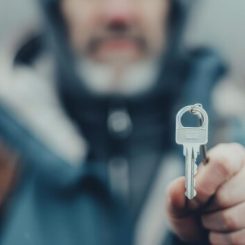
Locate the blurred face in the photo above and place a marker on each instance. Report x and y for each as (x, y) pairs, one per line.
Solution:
(116, 33)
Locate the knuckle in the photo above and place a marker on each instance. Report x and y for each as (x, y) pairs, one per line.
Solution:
(237, 238)
(229, 221)
(237, 147)
(232, 146)
(224, 167)
(221, 146)
(212, 238)
(222, 198)
(229, 158)
(233, 239)
(204, 191)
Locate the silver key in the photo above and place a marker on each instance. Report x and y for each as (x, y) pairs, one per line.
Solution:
(192, 138)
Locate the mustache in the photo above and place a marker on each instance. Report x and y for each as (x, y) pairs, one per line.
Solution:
(98, 39)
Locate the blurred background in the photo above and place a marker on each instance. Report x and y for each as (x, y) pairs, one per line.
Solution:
(216, 23)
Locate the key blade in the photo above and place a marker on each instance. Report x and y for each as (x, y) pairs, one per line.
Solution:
(190, 168)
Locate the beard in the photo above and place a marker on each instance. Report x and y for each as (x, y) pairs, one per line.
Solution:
(118, 59)
(116, 79)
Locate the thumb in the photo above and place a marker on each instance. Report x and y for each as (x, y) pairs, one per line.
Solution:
(176, 201)
(183, 220)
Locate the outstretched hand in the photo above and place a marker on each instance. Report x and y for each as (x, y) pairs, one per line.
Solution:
(217, 213)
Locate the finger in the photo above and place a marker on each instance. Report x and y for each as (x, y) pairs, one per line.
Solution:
(233, 238)
(176, 198)
(182, 222)
(8, 171)
(227, 220)
(225, 161)
(229, 194)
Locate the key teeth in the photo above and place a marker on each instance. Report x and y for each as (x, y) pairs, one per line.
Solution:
(191, 196)
(193, 193)
(195, 169)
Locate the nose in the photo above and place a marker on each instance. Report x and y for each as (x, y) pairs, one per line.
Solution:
(118, 12)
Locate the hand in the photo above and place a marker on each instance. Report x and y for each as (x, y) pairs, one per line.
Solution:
(8, 172)
(217, 213)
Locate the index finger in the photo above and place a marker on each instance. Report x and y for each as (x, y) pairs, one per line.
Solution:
(225, 161)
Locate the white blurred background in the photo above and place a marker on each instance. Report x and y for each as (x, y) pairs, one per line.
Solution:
(219, 23)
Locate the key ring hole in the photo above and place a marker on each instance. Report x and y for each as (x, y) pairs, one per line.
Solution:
(190, 119)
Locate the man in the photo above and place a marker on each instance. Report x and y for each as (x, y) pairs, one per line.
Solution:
(121, 75)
